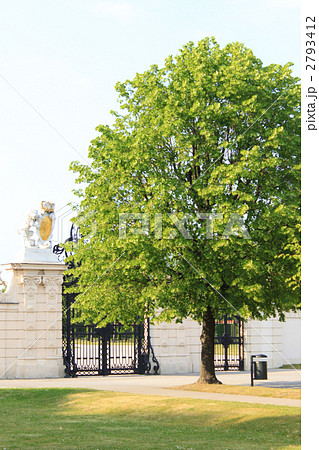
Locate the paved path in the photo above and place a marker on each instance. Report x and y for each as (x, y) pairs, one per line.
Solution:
(158, 384)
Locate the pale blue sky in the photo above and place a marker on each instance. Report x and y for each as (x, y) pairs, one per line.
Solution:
(64, 58)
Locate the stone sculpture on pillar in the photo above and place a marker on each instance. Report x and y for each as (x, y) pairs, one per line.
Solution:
(37, 233)
(31, 306)
(38, 228)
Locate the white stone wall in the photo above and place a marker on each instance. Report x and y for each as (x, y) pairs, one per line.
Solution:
(280, 341)
(291, 334)
(263, 337)
(31, 322)
(177, 346)
(31, 330)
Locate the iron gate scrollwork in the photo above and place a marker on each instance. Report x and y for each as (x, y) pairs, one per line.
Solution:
(101, 350)
(110, 349)
(229, 343)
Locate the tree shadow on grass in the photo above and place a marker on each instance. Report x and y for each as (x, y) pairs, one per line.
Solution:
(61, 418)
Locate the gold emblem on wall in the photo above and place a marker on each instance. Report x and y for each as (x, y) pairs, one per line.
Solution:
(45, 228)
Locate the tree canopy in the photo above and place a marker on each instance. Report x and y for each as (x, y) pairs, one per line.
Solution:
(192, 201)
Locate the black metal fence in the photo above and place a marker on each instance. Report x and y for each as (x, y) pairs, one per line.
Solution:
(90, 350)
(229, 343)
(112, 349)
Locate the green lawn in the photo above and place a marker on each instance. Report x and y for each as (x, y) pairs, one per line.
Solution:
(291, 366)
(85, 419)
(259, 391)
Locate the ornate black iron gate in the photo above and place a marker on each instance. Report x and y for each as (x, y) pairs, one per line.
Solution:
(97, 350)
(112, 349)
(89, 349)
(229, 343)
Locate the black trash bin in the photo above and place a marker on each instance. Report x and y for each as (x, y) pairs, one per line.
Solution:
(258, 368)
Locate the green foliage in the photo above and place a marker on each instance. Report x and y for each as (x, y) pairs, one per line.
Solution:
(213, 131)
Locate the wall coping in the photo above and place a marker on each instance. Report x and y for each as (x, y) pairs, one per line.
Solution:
(34, 266)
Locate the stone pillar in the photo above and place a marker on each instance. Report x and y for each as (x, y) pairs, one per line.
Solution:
(31, 321)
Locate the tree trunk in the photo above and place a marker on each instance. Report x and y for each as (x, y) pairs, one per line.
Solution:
(207, 367)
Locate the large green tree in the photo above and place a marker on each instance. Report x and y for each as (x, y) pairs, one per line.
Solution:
(191, 203)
